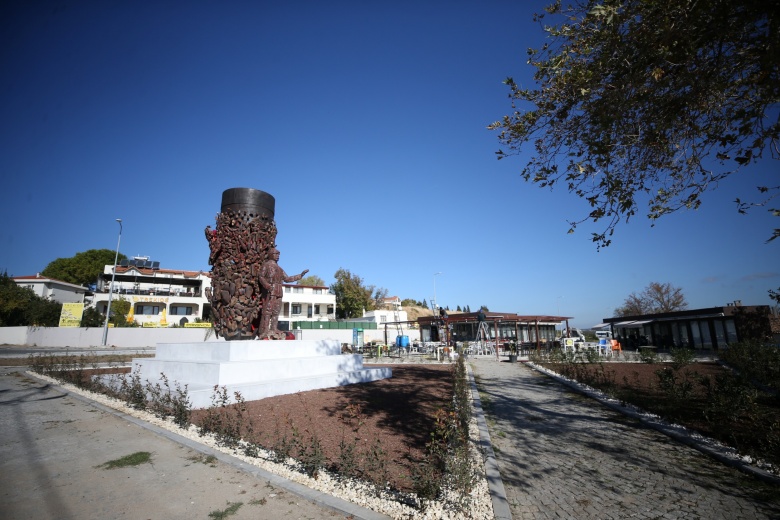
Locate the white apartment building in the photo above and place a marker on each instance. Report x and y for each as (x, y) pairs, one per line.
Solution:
(52, 289)
(306, 303)
(165, 297)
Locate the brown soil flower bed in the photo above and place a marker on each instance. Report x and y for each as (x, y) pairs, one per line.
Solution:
(754, 432)
(393, 418)
(395, 414)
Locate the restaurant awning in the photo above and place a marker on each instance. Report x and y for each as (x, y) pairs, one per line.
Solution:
(632, 324)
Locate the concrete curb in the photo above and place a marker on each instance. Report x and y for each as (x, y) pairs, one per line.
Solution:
(322, 499)
(501, 510)
(677, 433)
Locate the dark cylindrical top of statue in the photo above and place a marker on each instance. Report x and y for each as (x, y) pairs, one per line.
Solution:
(254, 202)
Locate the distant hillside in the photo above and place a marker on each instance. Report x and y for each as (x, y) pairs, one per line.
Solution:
(413, 312)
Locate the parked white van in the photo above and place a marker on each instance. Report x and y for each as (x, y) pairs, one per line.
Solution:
(604, 334)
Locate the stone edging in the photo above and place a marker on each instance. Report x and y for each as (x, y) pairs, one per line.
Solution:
(501, 510)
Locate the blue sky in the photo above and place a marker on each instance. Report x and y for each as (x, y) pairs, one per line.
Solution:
(367, 123)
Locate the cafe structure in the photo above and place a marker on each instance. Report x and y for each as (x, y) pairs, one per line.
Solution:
(711, 328)
(530, 331)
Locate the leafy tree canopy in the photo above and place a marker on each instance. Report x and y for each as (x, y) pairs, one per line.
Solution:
(353, 296)
(118, 311)
(20, 306)
(312, 280)
(654, 299)
(83, 268)
(639, 99)
(92, 317)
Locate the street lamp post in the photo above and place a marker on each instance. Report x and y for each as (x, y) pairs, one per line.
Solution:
(434, 290)
(111, 287)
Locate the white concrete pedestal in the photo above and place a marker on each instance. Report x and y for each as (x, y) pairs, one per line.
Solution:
(256, 369)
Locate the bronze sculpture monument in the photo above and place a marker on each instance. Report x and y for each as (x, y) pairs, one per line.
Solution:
(246, 280)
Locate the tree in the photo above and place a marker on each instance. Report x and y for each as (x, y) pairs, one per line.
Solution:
(775, 295)
(638, 100)
(118, 312)
(378, 296)
(20, 306)
(14, 301)
(92, 318)
(424, 304)
(43, 312)
(83, 268)
(352, 296)
(484, 308)
(312, 280)
(654, 299)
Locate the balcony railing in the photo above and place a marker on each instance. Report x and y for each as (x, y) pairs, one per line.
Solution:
(150, 292)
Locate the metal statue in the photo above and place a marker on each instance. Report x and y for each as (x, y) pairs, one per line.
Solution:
(246, 281)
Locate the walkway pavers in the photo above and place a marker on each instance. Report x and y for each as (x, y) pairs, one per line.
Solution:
(563, 455)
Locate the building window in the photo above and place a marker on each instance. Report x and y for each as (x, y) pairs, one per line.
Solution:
(151, 310)
(383, 319)
(179, 310)
(286, 289)
(317, 291)
(316, 309)
(731, 331)
(330, 309)
(298, 290)
(296, 308)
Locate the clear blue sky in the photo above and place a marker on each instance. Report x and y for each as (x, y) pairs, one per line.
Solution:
(366, 121)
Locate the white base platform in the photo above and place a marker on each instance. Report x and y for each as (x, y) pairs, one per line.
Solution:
(256, 369)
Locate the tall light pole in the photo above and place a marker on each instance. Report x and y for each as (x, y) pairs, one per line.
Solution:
(111, 287)
(434, 290)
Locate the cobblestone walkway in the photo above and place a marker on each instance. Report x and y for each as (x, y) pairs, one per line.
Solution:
(562, 455)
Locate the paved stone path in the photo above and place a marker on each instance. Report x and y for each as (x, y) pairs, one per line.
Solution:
(562, 455)
(52, 445)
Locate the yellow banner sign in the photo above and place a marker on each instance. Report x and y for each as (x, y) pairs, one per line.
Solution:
(71, 314)
(203, 325)
(151, 324)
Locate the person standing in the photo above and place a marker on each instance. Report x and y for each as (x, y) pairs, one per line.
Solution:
(271, 291)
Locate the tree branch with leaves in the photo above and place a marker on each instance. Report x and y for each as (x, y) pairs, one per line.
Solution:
(653, 299)
(638, 100)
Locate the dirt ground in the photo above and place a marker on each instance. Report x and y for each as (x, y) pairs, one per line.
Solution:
(391, 418)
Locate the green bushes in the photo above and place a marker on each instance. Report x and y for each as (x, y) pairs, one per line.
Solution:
(758, 362)
(448, 461)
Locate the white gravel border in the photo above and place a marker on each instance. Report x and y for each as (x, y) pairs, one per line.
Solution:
(356, 492)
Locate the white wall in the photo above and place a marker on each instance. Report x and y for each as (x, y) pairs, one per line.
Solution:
(80, 337)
